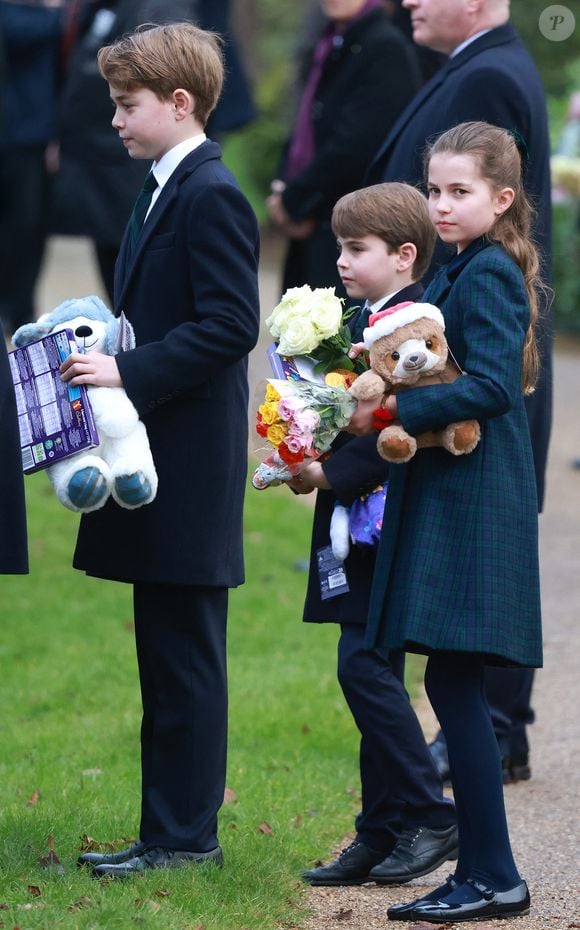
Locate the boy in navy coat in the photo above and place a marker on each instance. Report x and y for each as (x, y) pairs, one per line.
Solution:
(186, 278)
(405, 828)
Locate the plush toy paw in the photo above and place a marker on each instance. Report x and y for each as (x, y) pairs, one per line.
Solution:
(461, 438)
(87, 490)
(395, 445)
(132, 491)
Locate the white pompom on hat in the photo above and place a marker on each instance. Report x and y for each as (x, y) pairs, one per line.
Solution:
(387, 321)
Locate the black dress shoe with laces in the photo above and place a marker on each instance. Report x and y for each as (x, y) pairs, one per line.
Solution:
(351, 868)
(488, 904)
(157, 857)
(418, 851)
(402, 911)
(112, 858)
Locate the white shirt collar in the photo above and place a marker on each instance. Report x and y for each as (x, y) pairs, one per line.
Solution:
(468, 42)
(164, 168)
(374, 308)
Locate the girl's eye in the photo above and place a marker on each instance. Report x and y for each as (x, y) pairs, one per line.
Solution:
(395, 356)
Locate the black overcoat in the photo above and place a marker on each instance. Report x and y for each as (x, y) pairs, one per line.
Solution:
(13, 544)
(370, 75)
(493, 79)
(191, 293)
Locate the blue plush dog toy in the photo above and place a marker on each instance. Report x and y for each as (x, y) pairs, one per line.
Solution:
(121, 465)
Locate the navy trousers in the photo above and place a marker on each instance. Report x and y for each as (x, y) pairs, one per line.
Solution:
(181, 651)
(400, 784)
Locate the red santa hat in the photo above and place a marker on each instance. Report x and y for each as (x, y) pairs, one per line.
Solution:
(387, 321)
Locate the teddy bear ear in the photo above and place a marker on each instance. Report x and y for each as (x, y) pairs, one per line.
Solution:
(30, 332)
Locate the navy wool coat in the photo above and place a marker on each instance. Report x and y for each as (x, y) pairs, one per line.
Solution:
(190, 291)
(13, 545)
(457, 567)
(495, 80)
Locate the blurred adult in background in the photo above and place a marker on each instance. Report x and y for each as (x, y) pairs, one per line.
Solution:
(357, 78)
(97, 184)
(31, 33)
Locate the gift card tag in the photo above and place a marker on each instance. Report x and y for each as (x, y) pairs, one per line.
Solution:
(331, 573)
(125, 339)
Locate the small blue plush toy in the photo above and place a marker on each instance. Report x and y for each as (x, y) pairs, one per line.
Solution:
(121, 465)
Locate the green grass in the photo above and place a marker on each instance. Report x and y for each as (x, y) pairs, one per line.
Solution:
(69, 725)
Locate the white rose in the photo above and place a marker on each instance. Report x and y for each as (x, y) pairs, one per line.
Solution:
(298, 338)
(289, 306)
(326, 312)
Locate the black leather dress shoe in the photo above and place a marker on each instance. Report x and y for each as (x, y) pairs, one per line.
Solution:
(419, 851)
(156, 857)
(515, 768)
(112, 858)
(402, 911)
(351, 868)
(490, 903)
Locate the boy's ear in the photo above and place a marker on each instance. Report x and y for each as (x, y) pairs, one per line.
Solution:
(407, 256)
(183, 103)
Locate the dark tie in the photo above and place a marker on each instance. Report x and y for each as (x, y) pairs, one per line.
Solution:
(141, 206)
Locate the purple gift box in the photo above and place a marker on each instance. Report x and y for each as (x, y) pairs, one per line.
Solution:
(55, 420)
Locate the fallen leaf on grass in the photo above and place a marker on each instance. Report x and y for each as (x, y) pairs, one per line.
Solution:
(162, 893)
(230, 796)
(266, 828)
(80, 903)
(344, 914)
(34, 890)
(51, 861)
(297, 820)
(305, 728)
(34, 799)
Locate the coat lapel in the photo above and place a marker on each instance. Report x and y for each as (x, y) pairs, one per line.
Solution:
(128, 262)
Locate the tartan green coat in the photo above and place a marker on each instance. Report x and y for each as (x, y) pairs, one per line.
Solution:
(457, 567)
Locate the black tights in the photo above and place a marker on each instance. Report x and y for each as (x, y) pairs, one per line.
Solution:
(455, 687)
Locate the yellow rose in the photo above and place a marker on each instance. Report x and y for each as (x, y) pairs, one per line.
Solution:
(269, 413)
(272, 394)
(276, 433)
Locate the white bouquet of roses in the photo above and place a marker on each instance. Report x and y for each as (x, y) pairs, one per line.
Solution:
(312, 323)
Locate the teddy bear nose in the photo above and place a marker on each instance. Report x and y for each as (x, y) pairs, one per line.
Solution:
(83, 331)
(417, 360)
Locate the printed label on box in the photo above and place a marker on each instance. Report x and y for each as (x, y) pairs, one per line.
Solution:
(55, 420)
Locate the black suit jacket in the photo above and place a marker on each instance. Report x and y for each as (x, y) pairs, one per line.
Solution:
(354, 468)
(13, 545)
(494, 79)
(190, 291)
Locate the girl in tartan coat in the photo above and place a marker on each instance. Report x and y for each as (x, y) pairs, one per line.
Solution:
(457, 569)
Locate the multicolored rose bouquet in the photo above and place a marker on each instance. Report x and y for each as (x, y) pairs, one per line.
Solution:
(312, 323)
(299, 420)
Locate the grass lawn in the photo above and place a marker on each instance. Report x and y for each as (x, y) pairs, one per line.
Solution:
(69, 727)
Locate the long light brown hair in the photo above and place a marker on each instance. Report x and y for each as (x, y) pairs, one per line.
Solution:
(500, 164)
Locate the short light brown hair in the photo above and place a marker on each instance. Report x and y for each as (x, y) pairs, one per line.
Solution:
(163, 58)
(394, 212)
